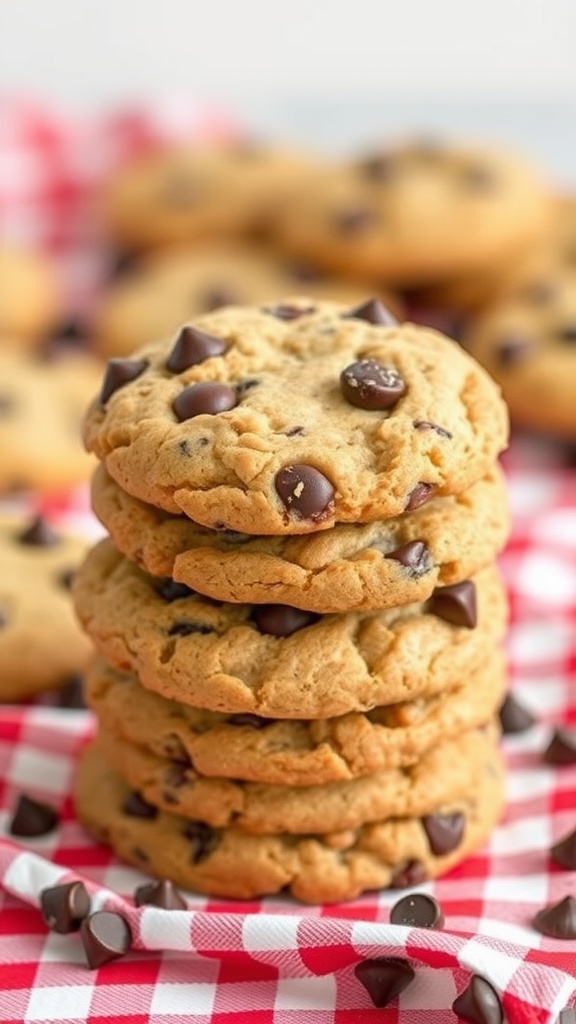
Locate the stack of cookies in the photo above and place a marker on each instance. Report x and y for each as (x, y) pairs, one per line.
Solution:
(297, 613)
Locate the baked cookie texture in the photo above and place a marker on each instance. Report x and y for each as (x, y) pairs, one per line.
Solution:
(309, 414)
(30, 298)
(41, 644)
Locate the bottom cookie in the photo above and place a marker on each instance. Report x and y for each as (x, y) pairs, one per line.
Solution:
(339, 866)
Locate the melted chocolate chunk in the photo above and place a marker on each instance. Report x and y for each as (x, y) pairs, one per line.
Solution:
(208, 398)
(384, 979)
(444, 831)
(192, 347)
(455, 604)
(558, 920)
(203, 840)
(137, 807)
(417, 911)
(161, 894)
(406, 875)
(118, 373)
(564, 851)
(183, 628)
(105, 936)
(32, 818)
(426, 425)
(478, 1003)
(414, 556)
(281, 619)
(419, 495)
(514, 717)
(305, 492)
(39, 534)
(354, 220)
(284, 311)
(372, 312)
(370, 385)
(64, 907)
(169, 590)
(561, 749)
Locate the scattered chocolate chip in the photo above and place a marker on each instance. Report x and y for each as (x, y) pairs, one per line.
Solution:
(558, 920)
(32, 818)
(284, 311)
(65, 578)
(564, 851)
(417, 911)
(354, 220)
(71, 696)
(118, 373)
(406, 875)
(372, 312)
(253, 721)
(192, 347)
(384, 979)
(414, 556)
(137, 807)
(478, 1003)
(444, 831)
(455, 604)
(182, 628)
(444, 319)
(426, 425)
(105, 936)
(281, 619)
(39, 534)
(245, 385)
(562, 747)
(305, 491)
(208, 398)
(567, 333)
(161, 894)
(294, 432)
(419, 495)
(514, 717)
(478, 177)
(169, 590)
(64, 907)
(203, 840)
(513, 350)
(370, 385)
(216, 298)
(7, 404)
(177, 774)
(140, 854)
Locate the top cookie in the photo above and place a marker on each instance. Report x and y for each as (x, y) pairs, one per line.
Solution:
(291, 418)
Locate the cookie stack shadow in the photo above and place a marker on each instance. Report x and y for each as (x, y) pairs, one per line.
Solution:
(312, 710)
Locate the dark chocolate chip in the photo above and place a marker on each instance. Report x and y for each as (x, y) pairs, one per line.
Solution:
(384, 979)
(406, 875)
(118, 373)
(353, 220)
(140, 853)
(137, 807)
(203, 840)
(478, 1003)
(514, 717)
(305, 492)
(175, 750)
(426, 425)
(284, 311)
(245, 385)
(444, 831)
(513, 350)
(39, 534)
(562, 747)
(208, 398)
(71, 695)
(417, 911)
(105, 936)
(161, 894)
(281, 619)
(419, 495)
(64, 907)
(169, 590)
(32, 818)
(294, 432)
(7, 404)
(564, 851)
(567, 334)
(177, 775)
(370, 385)
(216, 298)
(182, 628)
(66, 577)
(455, 604)
(558, 919)
(372, 312)
(192, 347)
(253, 721)
(414, 556)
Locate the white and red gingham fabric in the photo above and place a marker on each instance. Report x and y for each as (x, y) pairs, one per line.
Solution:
(225, 962)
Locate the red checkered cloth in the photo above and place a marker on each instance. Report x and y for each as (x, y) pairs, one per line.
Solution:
(272, 960)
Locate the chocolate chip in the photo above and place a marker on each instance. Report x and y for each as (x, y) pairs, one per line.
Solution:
(169, 590)
(417, 911)
(562, 747)
(284, 311)
(64, 907)
(118, 373)
(305, 492)
(121, 263)
(137, 807)
(245, 385)
(253, 721)
(161, 894)
(558, 920)
(32, 818)
(564, 851)
(281, 619)
(203, 839)
(426, 425)
(175, 750)
(384, 979)
(514, 717)
(419, 495)
(353, 220)
(216, 298)
(372, 312)
(406, 875)
(567, 334)
(478, 1003)
(209, 398)
(105, 936)
(294, 432)
(455, 604)
(370, 385)
(182, 628)
(177, 775)
(65, 578)
(414, 556)
(140, 854)
(513, 350)
(192, 347)
(444, 831)
(71, 695)
(39, 534)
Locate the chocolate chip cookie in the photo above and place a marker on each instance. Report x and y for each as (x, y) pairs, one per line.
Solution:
(30, 300)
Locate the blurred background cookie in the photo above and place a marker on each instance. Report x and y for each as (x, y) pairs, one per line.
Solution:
(30, 298)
